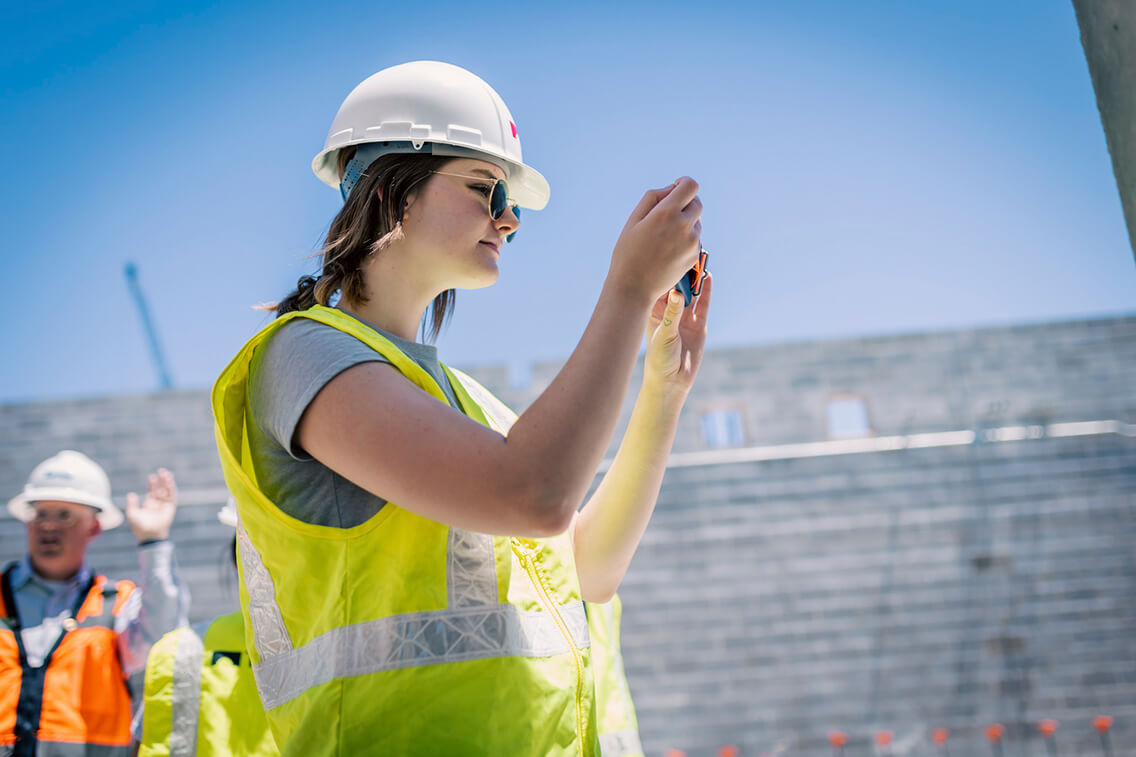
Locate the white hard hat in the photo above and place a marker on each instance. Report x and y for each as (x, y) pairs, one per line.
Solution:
(431, 108)
(228, 512)
(68, 477)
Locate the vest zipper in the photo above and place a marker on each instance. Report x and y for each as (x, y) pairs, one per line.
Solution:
(528, 561)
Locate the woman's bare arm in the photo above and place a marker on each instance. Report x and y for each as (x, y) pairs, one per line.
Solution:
(375, 428)
(609, 528)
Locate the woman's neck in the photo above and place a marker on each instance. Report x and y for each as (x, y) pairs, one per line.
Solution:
(397, 292)
(392, 321)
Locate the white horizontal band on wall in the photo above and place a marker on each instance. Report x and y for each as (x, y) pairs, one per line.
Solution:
(892, 443)
(216, 496)
(210, 496)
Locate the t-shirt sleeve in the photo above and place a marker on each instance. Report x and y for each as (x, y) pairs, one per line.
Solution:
(291, 369)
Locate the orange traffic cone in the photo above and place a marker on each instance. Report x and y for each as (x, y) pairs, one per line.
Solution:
(1102, 723)
(939, 736)
(994, 736)
(1048, 728)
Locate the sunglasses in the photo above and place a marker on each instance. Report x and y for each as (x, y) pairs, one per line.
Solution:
(497, 198)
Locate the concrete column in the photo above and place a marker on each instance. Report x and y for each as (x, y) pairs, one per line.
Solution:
(1108, 34)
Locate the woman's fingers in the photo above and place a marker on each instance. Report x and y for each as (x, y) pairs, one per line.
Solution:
(651, 198)
(661, 303)
(685, 190)
(693, 209)
(660, 241)
(702, 304)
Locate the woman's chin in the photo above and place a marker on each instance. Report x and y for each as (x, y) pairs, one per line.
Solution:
(485, 276)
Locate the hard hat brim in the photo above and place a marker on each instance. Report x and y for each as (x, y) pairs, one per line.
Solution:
(22, 506)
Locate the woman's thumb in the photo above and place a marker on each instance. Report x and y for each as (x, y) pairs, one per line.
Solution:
(672, 314)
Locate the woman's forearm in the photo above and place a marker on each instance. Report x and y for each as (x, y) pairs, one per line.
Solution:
(561, 438)
(610, 526)
(558, 443)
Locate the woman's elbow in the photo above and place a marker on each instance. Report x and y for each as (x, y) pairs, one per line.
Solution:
(551, 518)
(599, 594)
(598, 582)
(546, 512)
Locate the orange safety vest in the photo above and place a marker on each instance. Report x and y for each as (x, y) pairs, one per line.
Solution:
(79, 696)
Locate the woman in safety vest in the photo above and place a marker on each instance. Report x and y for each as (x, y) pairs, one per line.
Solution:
(413, 557)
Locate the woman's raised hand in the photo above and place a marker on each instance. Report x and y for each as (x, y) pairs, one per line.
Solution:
(660, 242)
(676, 337)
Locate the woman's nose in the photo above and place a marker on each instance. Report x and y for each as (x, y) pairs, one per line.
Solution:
(508, 222)
(509, 219)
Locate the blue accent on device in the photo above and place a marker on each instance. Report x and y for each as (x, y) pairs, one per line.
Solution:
(691, 284)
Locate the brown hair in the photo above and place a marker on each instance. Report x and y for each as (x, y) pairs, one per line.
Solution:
(365, 226)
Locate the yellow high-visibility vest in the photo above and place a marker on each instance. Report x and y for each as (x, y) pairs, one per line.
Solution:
(618, 727)
(403, 635)
(200, 697)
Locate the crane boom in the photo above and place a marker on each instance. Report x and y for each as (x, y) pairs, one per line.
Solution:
(148, 324)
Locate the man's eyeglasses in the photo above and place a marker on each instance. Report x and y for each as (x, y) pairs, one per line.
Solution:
(497, 198)
(62, 517)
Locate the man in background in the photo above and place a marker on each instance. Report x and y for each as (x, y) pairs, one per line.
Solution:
(71, 637)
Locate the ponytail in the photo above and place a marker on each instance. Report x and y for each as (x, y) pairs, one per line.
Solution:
(301, 298)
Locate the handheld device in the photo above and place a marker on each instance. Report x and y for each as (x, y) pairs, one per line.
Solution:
(691, 284)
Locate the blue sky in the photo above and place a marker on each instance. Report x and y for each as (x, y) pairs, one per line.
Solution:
(866, 167)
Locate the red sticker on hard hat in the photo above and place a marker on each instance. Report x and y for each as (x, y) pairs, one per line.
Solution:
(513, 126)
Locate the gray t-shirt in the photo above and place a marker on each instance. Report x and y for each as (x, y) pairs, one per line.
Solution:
(287, 372)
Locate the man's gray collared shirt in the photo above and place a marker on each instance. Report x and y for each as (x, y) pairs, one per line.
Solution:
(159, 605)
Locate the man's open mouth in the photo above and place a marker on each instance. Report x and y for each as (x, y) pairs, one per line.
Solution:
(50, 543)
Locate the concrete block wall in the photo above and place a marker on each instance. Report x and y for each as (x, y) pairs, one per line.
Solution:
(922, 382)
(898, 591)
(774, 601)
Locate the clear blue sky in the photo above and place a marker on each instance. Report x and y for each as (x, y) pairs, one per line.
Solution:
(867, 167)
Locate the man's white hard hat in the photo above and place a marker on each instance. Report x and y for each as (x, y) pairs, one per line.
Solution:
(69, 476)
(434, 108)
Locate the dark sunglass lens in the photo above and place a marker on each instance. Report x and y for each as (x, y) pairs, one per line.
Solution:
(498, 200)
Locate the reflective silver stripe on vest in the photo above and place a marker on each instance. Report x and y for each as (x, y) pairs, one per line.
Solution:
(471, 572)
(417, 639)
(71, 749)
(186, 699)
(620, 743)
(270, 635)
(474, 626)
